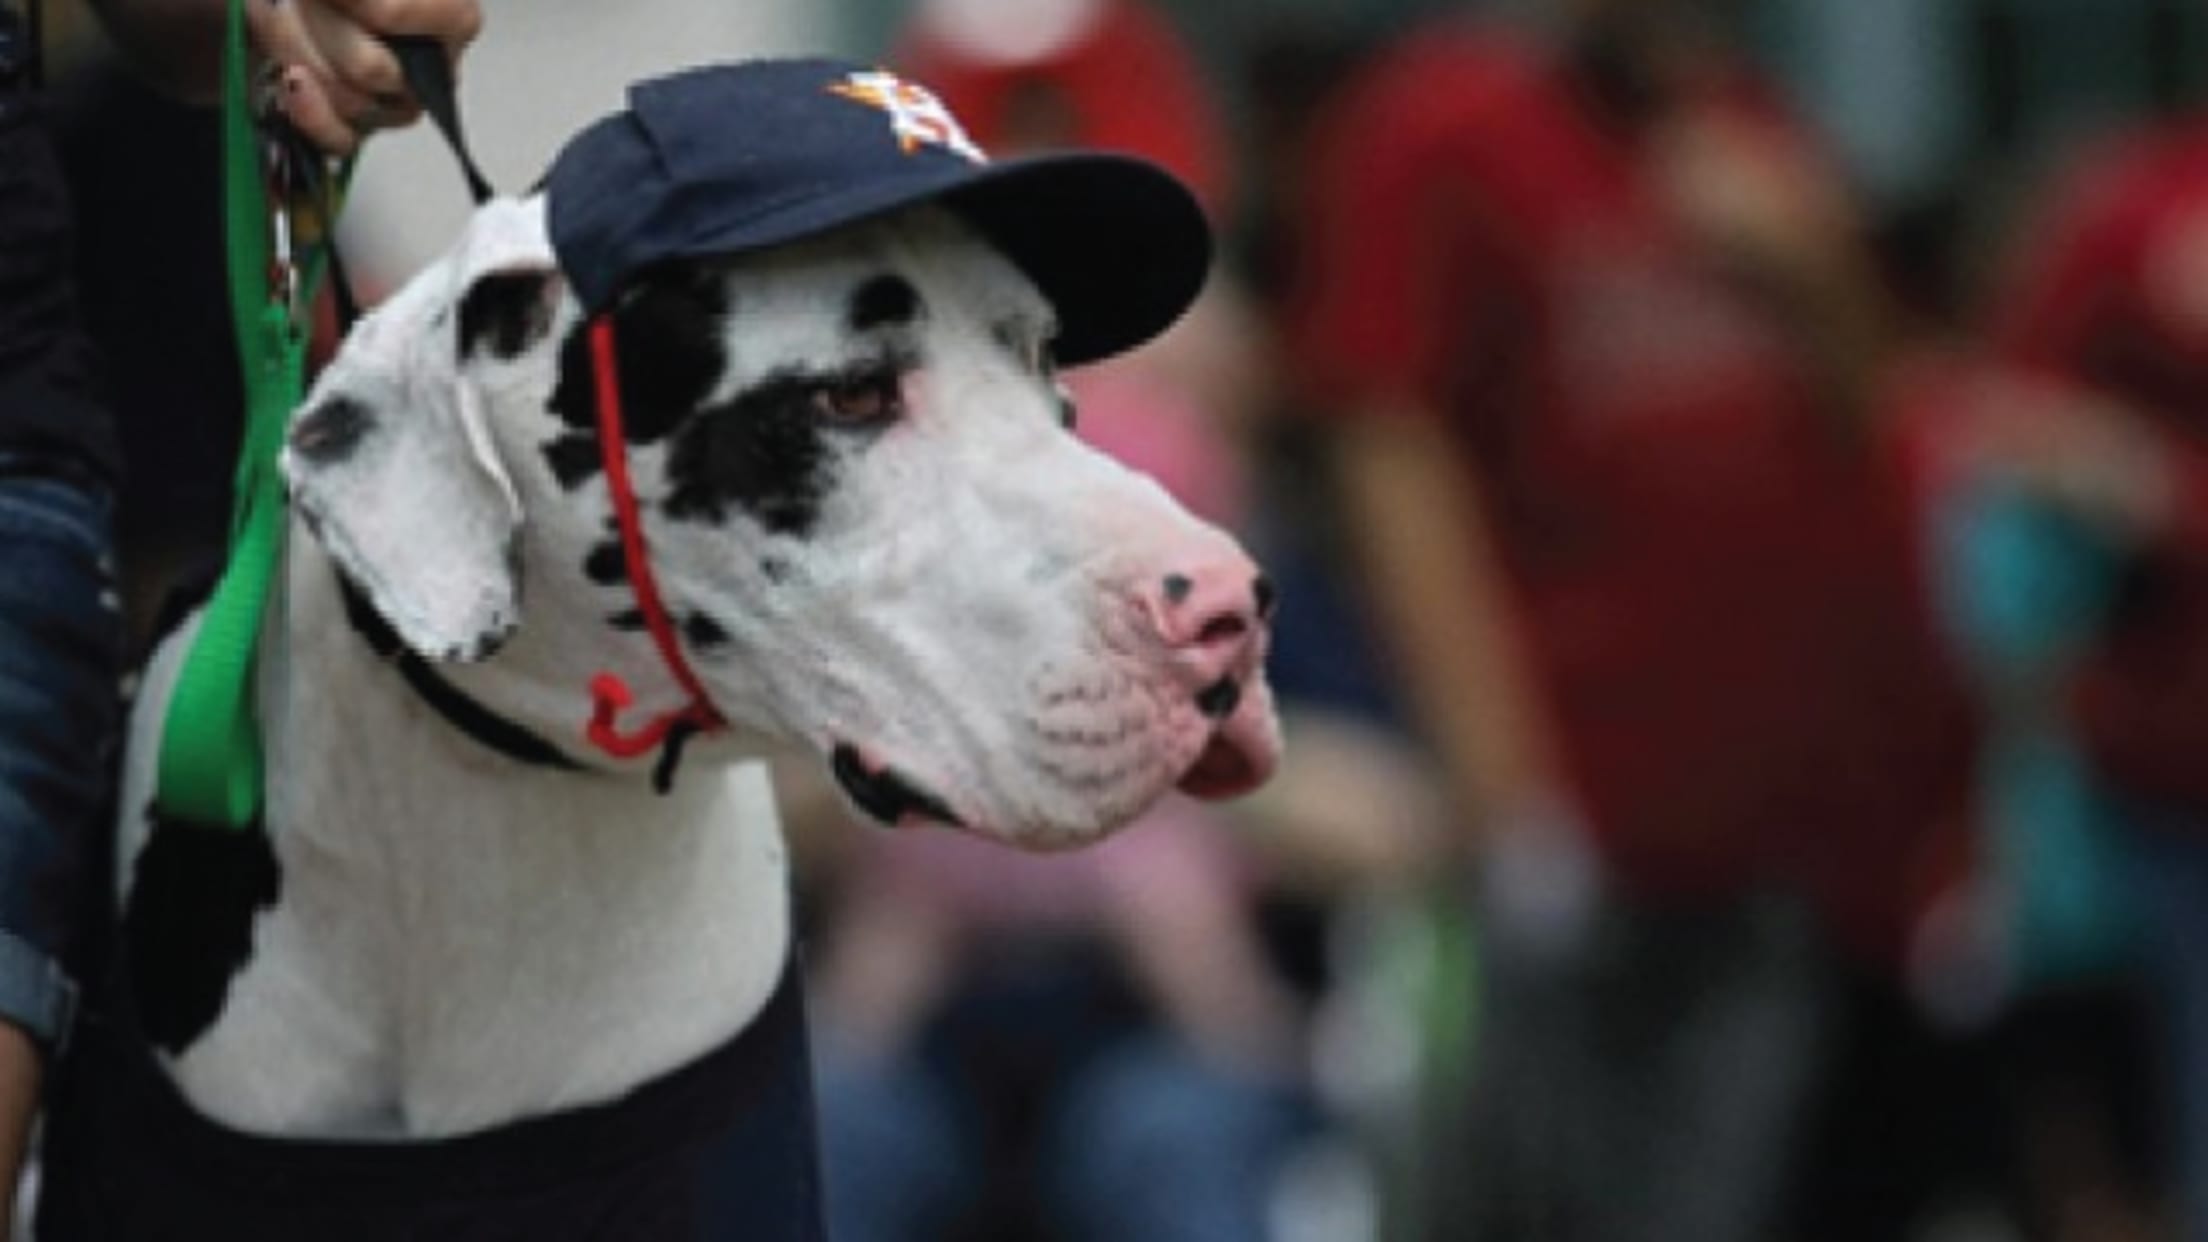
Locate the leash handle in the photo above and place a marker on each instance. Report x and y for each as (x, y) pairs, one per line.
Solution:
(210, 764)
(210, 761)
(429, 75)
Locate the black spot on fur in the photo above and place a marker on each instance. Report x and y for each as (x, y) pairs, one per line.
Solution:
(667, 347)
(704, 631)
(775, 568)
(573, 457)
(331, 431)
(607, 565)
(763, 452)
(884, 301)
(506, 311)
(188, 928)
(631, 621)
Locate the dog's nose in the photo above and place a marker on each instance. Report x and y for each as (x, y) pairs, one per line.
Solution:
(1209, 616)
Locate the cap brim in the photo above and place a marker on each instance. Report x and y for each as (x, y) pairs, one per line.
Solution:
(1118, 246)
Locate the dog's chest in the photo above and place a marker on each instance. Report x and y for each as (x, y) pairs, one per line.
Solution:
(457, 942)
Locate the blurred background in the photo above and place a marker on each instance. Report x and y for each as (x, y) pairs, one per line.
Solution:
(1737, 472)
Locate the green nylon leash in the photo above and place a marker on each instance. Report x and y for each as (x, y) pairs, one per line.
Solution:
(210, 760)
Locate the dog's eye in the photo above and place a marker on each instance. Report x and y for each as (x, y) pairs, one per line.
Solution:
(861, 400)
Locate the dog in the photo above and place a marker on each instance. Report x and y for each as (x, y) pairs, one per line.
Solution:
(873, 536)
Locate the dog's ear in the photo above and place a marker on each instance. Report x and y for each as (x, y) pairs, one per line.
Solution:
(391, 460)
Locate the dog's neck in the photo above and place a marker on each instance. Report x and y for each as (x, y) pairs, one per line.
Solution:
(471, 717)
(531, 700)
(430, 968)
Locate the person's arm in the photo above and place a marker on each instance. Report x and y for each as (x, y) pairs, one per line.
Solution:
(333, 74)
(2114, 465)
(1445, 613)
(1782, 223)
(1184, 919)
(1435, 580)
(1404, 278)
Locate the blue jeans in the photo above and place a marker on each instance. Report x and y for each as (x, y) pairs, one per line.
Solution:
(1147, 1141)
(61, 639)
(2173, 850)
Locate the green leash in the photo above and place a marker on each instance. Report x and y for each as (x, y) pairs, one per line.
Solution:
(210, 760)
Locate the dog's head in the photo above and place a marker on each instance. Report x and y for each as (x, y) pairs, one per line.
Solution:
(867, 508)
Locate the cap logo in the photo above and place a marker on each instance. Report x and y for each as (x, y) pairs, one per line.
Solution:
(916, 116)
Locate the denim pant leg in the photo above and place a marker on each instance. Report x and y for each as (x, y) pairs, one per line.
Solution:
(1154, 1143)
(896, 1166)
(2173, 850)
(60, 658)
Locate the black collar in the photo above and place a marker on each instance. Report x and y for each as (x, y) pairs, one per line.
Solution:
(460, 711)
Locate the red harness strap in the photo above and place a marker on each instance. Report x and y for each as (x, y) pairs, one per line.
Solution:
(609, 694)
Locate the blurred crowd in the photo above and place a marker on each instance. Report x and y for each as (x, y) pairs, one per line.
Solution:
(1744, 647)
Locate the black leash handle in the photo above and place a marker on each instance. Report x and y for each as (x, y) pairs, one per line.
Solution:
(429, 75)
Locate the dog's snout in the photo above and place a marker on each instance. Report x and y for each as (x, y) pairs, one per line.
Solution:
(1209, 615)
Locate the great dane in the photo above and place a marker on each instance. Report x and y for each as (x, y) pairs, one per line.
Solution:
(878, 538)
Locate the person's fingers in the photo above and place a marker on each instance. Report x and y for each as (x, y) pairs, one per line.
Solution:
(278, 34)
(358, 61)
(308, 103)
(454, 23)
(306, 90)
(340, 79)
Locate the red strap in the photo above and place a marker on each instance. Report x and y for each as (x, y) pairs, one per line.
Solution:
(609, 694)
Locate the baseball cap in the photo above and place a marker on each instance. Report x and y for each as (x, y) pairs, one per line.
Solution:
(737, 157)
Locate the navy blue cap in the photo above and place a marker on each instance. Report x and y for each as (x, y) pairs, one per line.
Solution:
(732, 158)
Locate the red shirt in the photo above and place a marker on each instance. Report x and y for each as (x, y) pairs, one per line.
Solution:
(2113, 294)
(1714, 586)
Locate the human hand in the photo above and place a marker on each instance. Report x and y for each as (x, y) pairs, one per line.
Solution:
(1540, 884)
(334, 76)
(1959, 965)
(1757, 198)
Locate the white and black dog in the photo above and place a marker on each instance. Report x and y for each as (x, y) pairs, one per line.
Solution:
(878, 537)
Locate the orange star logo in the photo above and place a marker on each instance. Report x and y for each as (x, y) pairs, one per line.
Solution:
(916, 116)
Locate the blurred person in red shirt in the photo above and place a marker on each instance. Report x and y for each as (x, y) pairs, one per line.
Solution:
(2110, 296)
(1595, 320)
(2005, 1075)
